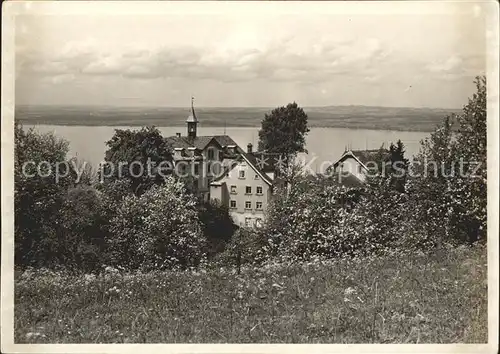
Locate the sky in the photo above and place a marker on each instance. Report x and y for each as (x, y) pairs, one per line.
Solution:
(250, 56)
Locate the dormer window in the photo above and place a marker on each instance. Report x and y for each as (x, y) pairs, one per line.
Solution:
(178, 152)
(191, 150)
(210, 154)
(231, 149)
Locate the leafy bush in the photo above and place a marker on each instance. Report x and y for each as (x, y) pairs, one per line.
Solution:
(247, 246)
(217, 226)
(83, 229)
(159, 229)
(310, 221)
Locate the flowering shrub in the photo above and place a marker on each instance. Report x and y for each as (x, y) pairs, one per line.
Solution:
(314, 219)
(450, 199)
(159, 229)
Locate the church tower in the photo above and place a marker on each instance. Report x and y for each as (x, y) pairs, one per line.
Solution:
(192, 122)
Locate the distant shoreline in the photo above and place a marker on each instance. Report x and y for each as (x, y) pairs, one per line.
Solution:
(136, 125)
(345, 117)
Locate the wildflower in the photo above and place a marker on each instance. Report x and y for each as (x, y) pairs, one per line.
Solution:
(32, 334)
(349, 291)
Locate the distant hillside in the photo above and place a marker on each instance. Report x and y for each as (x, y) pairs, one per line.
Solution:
(356, 117)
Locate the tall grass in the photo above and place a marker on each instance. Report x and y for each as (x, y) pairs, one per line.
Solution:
(422, 298)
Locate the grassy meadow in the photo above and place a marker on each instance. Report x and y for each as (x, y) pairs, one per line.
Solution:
(418, 298)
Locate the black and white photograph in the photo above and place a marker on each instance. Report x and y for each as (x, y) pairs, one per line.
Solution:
(269, 173)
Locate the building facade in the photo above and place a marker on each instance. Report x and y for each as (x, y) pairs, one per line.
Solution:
(221, 171)
(245, 188)
(201, 158)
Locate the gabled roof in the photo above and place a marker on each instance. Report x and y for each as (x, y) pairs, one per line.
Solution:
(225, 140)
(178, 142)
(364, 156)
(266, 162)
(251, 160)
(199, 142)
(371, 155)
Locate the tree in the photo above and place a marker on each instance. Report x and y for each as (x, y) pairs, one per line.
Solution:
(38, 195)
(428, 184)
(136, 156)
(468, 188)
(398, 166)
(284, 131)
(449, 184)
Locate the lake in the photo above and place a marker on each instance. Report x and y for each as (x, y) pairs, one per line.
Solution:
(323, 144)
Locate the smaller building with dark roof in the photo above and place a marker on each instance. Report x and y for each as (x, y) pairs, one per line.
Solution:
(354, 165)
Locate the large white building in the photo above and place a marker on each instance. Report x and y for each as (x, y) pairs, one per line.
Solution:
(222, 171)
(247, 187)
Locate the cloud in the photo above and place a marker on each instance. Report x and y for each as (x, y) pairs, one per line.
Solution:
(450, 64)
(283, 59)
(456, 67)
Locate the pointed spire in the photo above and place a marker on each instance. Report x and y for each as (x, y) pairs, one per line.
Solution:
(192, 115)
(192, 121)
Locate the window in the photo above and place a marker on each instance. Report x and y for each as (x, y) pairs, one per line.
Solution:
(196, 169)
(258, 222)
(248, 205)
(360, 169)
(242, 173)
(248, 190)
(256, 176)
(258, 206)
(233, 189)
(259, 190)
(248, 222)
(233, 203)
(211, 154)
